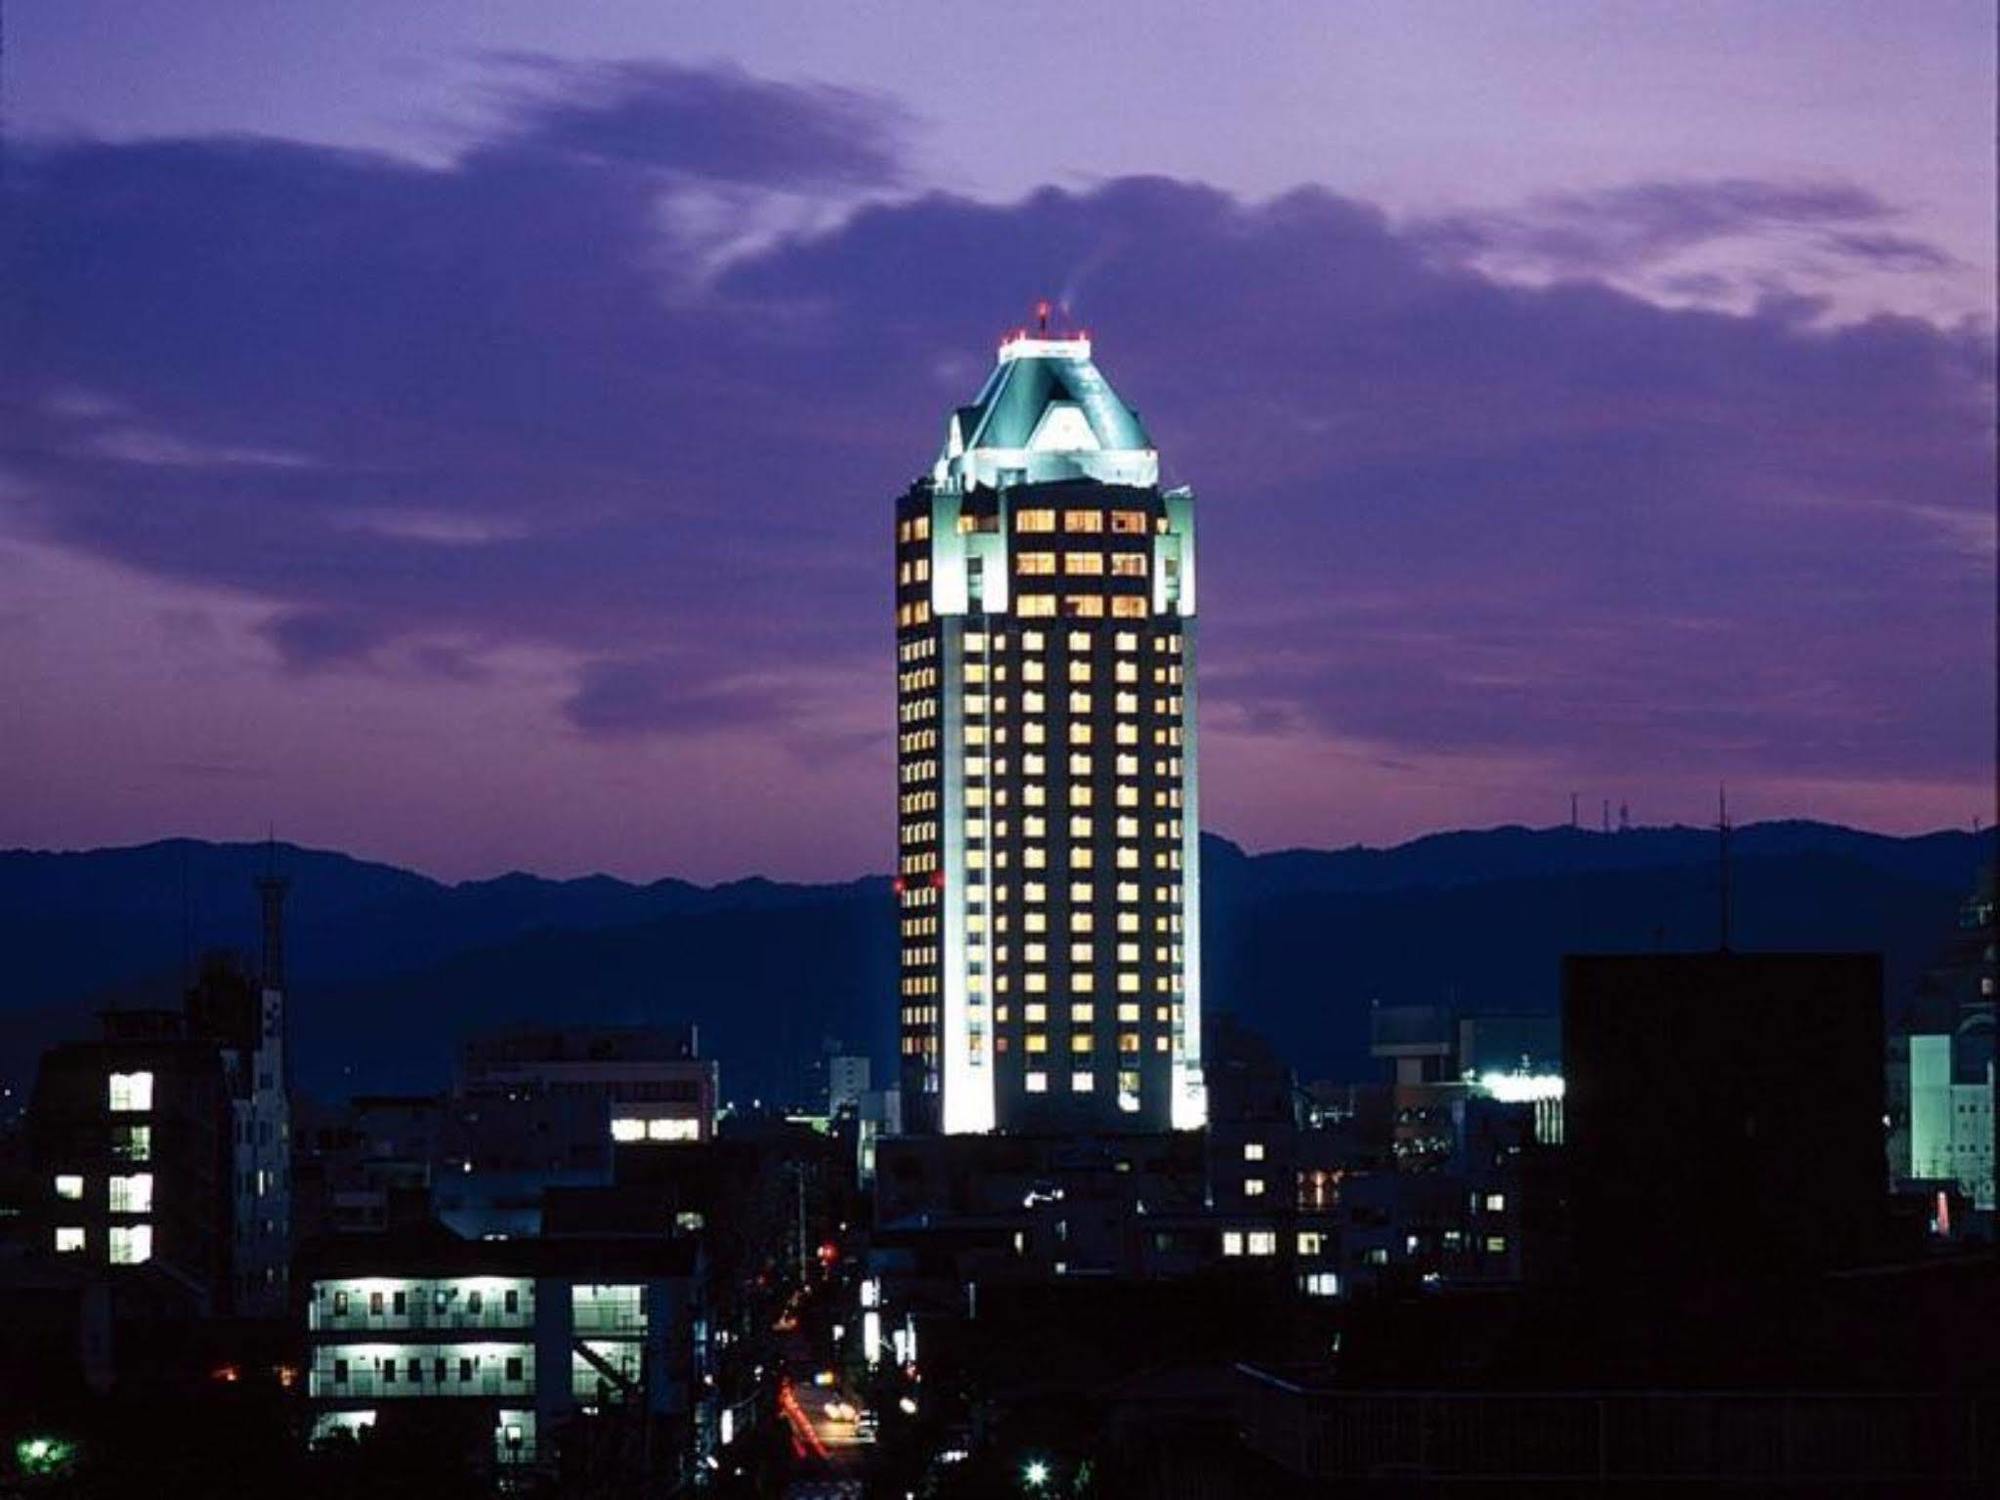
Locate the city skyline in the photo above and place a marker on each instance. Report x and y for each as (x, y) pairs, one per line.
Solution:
(360, 480)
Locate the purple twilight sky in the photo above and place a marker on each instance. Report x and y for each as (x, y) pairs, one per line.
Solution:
(464, 433)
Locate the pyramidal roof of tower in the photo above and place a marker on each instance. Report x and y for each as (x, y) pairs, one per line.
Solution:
(1036, 374)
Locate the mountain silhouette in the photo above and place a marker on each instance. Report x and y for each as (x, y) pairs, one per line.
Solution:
(389, 968)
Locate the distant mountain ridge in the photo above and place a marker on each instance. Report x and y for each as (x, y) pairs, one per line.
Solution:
(390, 967)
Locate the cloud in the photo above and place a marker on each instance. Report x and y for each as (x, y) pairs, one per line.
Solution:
(717, 124)
(1442, 512)
(1722, 242)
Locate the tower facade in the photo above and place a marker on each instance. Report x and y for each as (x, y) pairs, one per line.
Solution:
(1048, 879)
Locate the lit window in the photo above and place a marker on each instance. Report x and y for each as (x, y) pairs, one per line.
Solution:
(131, 1092)
(628, 1130)
(1083, 1013)
(1083, 562)
(1036, 1083)
(1083, 520)
(1128, 522)
(1082, 1083)
(1232, 1242)
(1079, 1041)
(673, 1130)
(69, 1239)
(1261, 1242)
(1035, 562)
(1035, 520)
(1253, 1150)
(1034, 606)
(131, 1244)
(1128, 607)
(1128, 565)
(132, 1195)
(1309, 1241)
(132, 1142)
(69, 1186)
(1321, 1284)
(1083, 606)
(1496, 1203)
(1253, 1187)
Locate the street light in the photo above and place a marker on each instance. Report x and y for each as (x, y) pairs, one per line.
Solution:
(42, 1455)
(1035, 1474)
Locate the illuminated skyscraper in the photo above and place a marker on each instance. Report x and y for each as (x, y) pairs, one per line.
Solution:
(1049, 878)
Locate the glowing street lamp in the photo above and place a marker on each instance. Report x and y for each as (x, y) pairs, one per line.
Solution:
(1036, 1474)
(42, 1455)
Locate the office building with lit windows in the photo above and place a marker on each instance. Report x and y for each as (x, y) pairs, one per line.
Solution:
(163, 1148)
(1048, 873)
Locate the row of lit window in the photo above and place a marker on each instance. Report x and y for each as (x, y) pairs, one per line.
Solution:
(1034, 763)
(917, 802)
(1081, 893)
(1079, 702)
(919, 984)
(129, 1244)
(979, 673)
(1081, 794)
(920, 1015)
(1082, 1041)
(912, 710)
(919, 1042)
(1080, 922)
(918, 958)
(919, 864)
(129, 1194)
(1080, 606)
(913, 570)
(1122, 522)
(923, 831)
(1084, 1083)
(1082, 564)
(914, 927)
(912, 771)
(1036, 732)
(914, 529)
(911, 741)
(917, 650)
(916, 680)
(1082, 982)
(917, 612)
(1036, 857)
(1081, 826)
(978, 642)
(1083, 1012)
(919, 895)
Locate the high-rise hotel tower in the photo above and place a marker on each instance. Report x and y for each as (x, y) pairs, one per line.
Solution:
(1048, 879)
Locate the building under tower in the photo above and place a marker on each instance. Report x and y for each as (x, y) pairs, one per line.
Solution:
(1048, 873)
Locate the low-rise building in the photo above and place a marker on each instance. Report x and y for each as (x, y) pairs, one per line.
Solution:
(524, 1335)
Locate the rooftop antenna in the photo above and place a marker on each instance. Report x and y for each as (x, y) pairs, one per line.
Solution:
(1624, 817)
(1722, 854)
(1607, 815)
(1042, 317)
(1572, 809)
